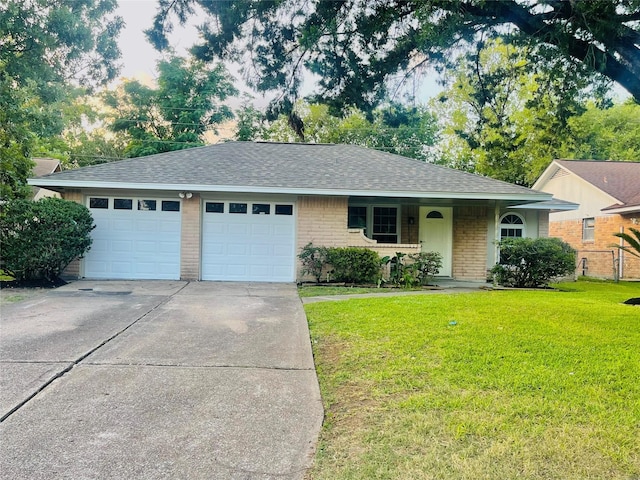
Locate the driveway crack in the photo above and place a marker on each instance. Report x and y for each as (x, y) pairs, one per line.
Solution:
(75, 362)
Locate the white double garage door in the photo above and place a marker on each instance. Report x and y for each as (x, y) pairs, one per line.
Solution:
(140, 238)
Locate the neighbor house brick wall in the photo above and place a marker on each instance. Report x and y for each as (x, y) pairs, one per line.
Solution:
(73, 269)
(597, 252)
(470, 243)
(190, 238)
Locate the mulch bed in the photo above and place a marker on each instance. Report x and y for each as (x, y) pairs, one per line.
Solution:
(58, 282)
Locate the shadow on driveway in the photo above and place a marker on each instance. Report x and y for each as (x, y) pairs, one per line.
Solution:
(158, 380)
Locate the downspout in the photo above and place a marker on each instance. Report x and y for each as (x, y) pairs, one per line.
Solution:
(496, 234)
(621, 256)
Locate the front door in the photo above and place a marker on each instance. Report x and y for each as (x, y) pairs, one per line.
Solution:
(436, 234)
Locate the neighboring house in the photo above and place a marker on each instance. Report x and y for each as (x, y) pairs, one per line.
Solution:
(609, 198)
(45, 166)
(243, 211)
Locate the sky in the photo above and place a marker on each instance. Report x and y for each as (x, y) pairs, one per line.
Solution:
(139, 57)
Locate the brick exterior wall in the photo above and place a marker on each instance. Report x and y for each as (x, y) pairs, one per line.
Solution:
(190, 238)
(599, 260)
(469, 243)
(72, 271)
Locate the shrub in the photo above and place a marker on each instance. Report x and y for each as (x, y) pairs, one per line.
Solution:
(426, 265)
(314, 260)
(354, 264)
(39, 239)
(530, 263)
(418, 271)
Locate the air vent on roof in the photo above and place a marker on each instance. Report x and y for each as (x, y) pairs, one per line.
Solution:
(560, 172)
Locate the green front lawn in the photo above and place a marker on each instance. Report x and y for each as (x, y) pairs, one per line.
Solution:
(487, 385)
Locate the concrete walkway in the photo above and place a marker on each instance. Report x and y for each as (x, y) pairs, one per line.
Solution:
(442, 286)
(149, 380)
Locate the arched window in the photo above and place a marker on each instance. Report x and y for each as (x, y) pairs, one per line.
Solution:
(511, 226)
(434, 214)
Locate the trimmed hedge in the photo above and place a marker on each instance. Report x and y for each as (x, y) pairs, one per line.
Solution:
(533, 262)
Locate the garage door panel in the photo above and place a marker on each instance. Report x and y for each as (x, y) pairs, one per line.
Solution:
(132, 244)
(248, 247)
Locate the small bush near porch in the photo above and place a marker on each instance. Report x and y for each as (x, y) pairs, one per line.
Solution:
(487, 385)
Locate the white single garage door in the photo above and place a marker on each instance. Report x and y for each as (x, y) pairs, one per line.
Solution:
(134, 238)
(248, 241)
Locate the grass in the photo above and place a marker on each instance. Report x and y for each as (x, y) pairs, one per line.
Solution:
(487, 385)
(323, 291)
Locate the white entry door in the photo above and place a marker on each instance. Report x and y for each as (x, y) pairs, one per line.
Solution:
(248, 241)
(436, 234)
(134, 238)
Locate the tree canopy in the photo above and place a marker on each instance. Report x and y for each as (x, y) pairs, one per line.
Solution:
(175, 114)
(356, 46)
(508, 109)
(394, 128)
(47, 49)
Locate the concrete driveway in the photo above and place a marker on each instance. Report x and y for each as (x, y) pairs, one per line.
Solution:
(147, 380)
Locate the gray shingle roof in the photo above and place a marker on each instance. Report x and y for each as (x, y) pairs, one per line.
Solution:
(311, 167)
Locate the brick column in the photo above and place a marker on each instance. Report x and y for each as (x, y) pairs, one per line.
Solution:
(190, 243)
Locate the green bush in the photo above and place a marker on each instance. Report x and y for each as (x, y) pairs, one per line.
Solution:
(314, 260)
(39, 239)
(418, 270)
(531, 263)
(354, 264)
(426, 265)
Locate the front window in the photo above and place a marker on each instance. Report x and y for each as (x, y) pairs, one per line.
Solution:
(385, 224)
(588, 229)
(357, 218)
(511, 226)
(379, 223)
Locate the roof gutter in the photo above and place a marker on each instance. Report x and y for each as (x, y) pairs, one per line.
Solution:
(78, 184)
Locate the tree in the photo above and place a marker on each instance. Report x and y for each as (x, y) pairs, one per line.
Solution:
(356, 46)
(604, 133)
(394, 128)
(632, 240)
(507, 109)
(175, 114)
(45, 47)
(250, 122)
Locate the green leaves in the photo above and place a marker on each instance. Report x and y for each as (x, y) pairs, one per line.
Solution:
(356, 48)
(175, 114)
(39, 239)
(533, 262)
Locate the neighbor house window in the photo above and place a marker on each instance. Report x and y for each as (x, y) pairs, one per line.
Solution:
(588, 229)
(511, 226)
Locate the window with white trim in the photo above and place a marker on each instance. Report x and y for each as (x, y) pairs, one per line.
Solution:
(588, 229)
(381, 223)
(511, 226)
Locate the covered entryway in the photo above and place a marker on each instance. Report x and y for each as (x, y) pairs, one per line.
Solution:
(436, 234)
(248, 241)
(134, 238)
